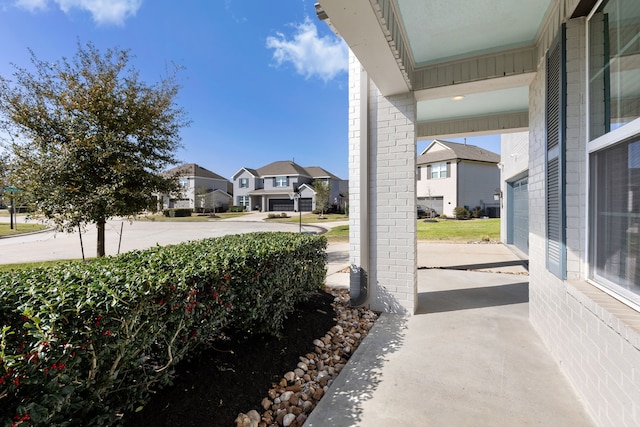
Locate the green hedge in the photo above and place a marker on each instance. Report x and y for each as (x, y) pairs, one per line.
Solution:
(177, 212)
(236, 208)
(82, 343)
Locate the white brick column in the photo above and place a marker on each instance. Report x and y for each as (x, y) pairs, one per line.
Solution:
(382, 194)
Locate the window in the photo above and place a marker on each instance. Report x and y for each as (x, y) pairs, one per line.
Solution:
(281, 181)
(418, 174)
(614, 149)
(439, 170)
(244, 182)
(614, 75)
(243, 201)
(184, 183)
(615, 217)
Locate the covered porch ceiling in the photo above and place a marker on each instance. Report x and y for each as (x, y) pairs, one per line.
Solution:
(469, 63)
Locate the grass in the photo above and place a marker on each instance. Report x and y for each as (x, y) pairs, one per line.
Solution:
(192, 218)
(28, 265)
(307, 218)
(5, 228)
(339, 233)
(459, 231)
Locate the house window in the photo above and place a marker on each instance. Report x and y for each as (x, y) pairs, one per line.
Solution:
(614, 149)
(184, 183)
(614, 77)
(244, 182)
(243, 201)
(439, 170)
(615, 218)
(281, 181)
(418, 174)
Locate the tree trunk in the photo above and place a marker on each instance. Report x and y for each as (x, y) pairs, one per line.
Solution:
(100, 247)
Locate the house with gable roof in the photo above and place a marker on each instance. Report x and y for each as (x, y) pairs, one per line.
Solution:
(451, 174)
(200, 189)
(284, 186)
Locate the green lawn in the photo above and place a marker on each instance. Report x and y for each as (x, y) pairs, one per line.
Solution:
(28, 265)
(459, 231)
(338, 234)
(5, 228)
(307, 218)
(192, 218)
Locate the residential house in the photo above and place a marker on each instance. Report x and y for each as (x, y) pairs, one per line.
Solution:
(200, 189)
(450, 174)
(514, 189)
(284, 186)
(568, 73)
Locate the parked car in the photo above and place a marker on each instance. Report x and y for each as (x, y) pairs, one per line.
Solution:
(424, 212)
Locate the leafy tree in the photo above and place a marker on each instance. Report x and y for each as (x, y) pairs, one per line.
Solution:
(90, 137)
(323, 191)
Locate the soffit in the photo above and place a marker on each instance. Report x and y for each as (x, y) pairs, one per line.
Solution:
(436, 33)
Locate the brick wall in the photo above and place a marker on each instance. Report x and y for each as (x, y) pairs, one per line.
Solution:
(595, 338)
(388, 214)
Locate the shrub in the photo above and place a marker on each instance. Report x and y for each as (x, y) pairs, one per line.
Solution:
(284, 215)
(477, 212)
(272, 215)
(461, 212)
(235, 208)
(83, 342)
(177, 212)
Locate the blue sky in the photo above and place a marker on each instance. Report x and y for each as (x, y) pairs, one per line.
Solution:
(263, 80)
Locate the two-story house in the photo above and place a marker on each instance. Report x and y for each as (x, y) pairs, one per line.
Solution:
(450, 174)
(284, 186)
(200, 189)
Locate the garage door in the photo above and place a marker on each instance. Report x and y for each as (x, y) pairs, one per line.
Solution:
(520, 214)
(306, 204)
(281, 205)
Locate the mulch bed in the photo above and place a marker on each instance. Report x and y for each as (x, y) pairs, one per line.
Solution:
(219, 383)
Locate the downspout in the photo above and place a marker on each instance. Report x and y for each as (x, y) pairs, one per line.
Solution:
(358, 283)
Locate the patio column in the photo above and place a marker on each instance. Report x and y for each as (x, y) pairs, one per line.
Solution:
(382, 196)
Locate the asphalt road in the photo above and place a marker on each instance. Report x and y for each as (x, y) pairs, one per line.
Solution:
(126, 236)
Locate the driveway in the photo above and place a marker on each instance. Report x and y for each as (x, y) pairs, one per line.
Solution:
(126, 236)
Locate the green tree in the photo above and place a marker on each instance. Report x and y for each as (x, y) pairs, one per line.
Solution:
(323, 191)
(90, 137)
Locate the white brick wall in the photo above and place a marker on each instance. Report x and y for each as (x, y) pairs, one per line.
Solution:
(595, 338)
(389, 215)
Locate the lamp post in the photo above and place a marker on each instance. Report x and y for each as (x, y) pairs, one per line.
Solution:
(12, 210)
(296, 198)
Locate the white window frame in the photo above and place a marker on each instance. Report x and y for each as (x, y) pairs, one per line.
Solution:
(608, 140)
(244, 201)
(438, 169)
(244, 183)
(278, 183)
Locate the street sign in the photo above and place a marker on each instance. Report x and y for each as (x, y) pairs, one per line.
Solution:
(12, 190)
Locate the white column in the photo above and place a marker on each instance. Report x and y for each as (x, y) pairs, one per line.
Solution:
(382, 193)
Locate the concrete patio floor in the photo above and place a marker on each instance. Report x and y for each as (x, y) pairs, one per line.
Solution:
(468, 357)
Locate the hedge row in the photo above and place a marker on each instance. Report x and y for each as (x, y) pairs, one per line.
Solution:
(83, 343)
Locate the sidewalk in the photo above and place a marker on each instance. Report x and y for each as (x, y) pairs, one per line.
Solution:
(468, 357)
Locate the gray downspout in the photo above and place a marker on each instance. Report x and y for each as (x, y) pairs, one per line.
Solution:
(358, 280)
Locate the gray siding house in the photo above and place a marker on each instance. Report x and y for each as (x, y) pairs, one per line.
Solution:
(284, 186)
(200, 189)
(450, 174)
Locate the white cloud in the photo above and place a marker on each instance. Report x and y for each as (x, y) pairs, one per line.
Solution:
(311, 55)
(102, 11)
(32, 5)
